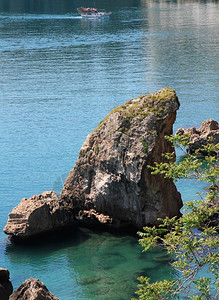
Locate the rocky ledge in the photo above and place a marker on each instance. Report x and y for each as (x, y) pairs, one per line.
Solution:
(209, 130)
(37, 215)
(111, 183)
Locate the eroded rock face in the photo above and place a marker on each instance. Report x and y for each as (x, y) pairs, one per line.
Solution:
(5, 284)
(111, 183)
(32, 289)
(200, 137)
(38, 214)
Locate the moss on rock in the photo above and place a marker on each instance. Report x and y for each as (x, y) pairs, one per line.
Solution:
(142, 107)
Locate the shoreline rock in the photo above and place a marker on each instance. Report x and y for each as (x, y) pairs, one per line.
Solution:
(111, 179)
(32, 289)
(37, 215)
(6, 287)
(209, 129)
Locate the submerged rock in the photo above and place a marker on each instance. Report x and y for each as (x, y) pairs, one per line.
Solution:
(6, 287)
(37, 215)
(111, 183)
(209, 129)
(32, 289)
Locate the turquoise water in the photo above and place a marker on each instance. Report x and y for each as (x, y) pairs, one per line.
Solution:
(60, 76)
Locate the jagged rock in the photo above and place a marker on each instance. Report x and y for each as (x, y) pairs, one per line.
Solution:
(209, 129)
(32, 289)
(5, 284)
(38, 214)
(111, 177)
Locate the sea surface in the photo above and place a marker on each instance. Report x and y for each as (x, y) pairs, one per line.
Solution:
(60, 75)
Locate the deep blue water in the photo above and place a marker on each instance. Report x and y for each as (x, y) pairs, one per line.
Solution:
(60, 76)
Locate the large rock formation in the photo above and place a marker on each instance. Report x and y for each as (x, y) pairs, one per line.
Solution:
(6, 287)
(38, 214)
(111, 183)
(209, 129)
(32, 289)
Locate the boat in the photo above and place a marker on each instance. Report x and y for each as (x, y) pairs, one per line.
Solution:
(88, 12)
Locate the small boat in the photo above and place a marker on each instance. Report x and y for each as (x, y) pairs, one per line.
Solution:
(87, 12)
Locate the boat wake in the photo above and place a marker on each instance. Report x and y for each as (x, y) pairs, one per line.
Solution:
(39, 17)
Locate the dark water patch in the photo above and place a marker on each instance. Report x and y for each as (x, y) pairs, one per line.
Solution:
(69, 234)
(90, 280)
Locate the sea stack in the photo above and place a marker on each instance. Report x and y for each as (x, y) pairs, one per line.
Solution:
(111, 183)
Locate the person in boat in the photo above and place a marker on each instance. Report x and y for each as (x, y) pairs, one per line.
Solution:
(88, 9)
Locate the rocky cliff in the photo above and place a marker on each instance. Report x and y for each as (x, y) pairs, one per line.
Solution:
(111, 183)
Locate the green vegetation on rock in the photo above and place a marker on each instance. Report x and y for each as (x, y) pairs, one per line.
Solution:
(142, 107)
(145, 146)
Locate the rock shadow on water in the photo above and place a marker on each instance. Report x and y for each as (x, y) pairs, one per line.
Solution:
(47, 243)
